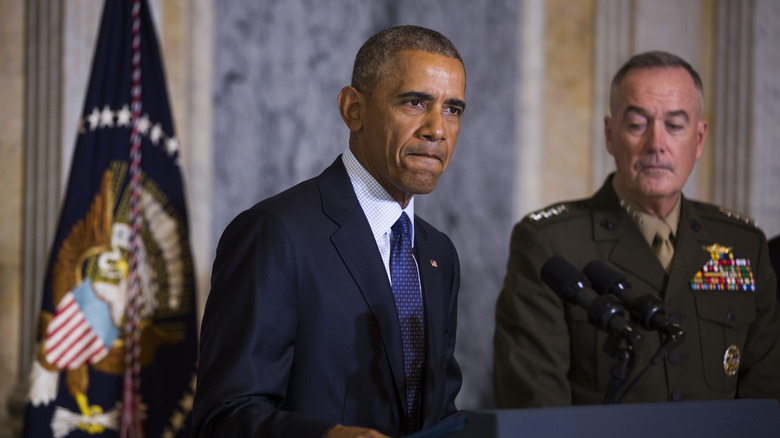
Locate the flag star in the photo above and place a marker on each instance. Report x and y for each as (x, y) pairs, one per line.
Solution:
(177, 419)
(93, 118)
(107, 117)
(143, 124)
(171, 145)
(156, 133)
(186, 402)
(123, 116)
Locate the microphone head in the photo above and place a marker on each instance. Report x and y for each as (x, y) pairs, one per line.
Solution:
(603, 277)
(563, 278)
(604, 312)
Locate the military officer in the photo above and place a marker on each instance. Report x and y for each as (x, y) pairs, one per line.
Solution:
(710, 266)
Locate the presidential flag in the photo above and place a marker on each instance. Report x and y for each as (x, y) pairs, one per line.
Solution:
(116, 349)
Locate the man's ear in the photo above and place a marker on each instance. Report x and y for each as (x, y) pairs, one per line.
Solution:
(351, 106)
(701, 135)
(608, 134)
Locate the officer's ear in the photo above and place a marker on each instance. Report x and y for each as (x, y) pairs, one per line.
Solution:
(701, 135)
(352, 106)
(608, 134)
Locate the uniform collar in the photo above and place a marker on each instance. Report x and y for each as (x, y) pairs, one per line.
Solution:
(647, 222)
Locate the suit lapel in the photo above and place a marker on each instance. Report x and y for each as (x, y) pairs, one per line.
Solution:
(432, 286)
(354, 242)
(432, 289)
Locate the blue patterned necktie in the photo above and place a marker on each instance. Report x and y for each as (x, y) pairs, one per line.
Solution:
(408, 302)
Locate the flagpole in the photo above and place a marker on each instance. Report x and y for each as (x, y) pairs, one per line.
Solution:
(131, 425)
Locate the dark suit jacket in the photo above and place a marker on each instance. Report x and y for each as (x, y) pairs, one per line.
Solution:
(547, 353)
(774, 255)
(300, 330)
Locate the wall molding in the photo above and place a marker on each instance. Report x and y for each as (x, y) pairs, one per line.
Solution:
(42, 176)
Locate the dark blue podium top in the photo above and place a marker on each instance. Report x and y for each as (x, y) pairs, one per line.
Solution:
(710, 419)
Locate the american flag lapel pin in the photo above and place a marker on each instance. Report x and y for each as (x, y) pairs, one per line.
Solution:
(434, 264)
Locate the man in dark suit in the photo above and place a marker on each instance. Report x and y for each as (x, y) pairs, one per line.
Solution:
(311, 328)
(709, 265)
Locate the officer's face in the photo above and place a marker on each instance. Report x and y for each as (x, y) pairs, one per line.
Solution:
(409, 124)
(655, 133)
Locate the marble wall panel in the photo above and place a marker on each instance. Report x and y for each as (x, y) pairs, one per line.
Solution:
(279, 66)
(764, 201)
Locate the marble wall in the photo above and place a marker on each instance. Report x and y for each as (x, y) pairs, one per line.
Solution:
(280, 66)
(764, 129)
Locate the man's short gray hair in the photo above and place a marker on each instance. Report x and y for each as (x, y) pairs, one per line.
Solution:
(656, 59)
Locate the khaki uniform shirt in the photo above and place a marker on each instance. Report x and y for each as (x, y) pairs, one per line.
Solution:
(546, 353)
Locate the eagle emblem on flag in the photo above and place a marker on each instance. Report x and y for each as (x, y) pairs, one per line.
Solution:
(89, 291)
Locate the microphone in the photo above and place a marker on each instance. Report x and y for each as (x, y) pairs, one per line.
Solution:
(648, 309)
(604, 311)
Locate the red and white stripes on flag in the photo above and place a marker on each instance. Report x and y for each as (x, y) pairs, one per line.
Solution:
(70, 340)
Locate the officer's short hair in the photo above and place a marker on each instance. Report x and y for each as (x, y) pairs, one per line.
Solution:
(656, 59)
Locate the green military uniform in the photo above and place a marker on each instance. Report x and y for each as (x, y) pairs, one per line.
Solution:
(547, 353)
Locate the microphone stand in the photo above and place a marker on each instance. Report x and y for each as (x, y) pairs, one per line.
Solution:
(647, 310)
(623, 362)
(673, 335)
(606, 312)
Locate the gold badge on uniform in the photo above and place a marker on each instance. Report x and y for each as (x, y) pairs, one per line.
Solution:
(731, 360)
(724, 271)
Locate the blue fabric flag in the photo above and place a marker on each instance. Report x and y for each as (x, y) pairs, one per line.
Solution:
(81, 363)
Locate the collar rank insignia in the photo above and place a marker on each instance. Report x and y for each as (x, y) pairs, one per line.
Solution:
(724, 272)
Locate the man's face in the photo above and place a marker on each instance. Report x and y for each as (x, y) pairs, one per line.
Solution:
(410, 123)
(655, 133)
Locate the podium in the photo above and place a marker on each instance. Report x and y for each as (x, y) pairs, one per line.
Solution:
(710, 419)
